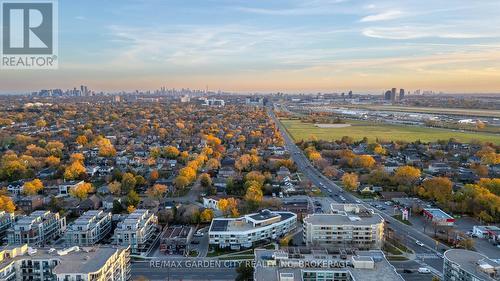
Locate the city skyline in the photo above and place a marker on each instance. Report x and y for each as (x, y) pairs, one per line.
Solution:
(270, 46)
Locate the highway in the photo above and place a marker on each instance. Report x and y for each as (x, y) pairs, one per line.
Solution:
(305, 166)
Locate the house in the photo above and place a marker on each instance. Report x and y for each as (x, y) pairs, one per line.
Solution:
(30, 203)
(47, 173)
(91, 203)
(369, 189)
(149, 203)
(391, 166)
(283, 172)
(227, 162)
(108, 201)
(65, 187)
(172, 163)
(220, 184)
(105, 170)
(439, 168)
(122, 161)
(15, 188)
(211, 202)
(389, 195)
(227, 172)
(92, 170)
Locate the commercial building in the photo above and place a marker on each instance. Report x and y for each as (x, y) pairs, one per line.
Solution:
(138, 230)
(89, 229)
(487, 231)
(37, 229)
(320, 265)
(250, 229)
(464, 265)
(438, 217)
(72, 264)
(348, 226)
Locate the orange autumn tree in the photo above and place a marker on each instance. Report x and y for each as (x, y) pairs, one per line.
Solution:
(81, 191)
(32, 187)
(350, 181)
(156, 191)
(76, 168)
(207, 215)
(6, 203)
(229, 206)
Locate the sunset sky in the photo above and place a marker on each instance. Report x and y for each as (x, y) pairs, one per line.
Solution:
(269, 46)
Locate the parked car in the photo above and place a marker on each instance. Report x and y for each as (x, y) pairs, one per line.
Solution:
(407, 270)
(419, 243)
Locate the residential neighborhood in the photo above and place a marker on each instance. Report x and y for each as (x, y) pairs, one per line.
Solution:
(221, 179)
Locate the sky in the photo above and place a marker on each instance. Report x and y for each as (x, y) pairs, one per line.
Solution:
(273, 45)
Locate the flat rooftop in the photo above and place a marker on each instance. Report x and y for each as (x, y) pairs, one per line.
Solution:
(382, 269)
(176, 232)
(246, 222)
(263, 215)
(437, 213)
(343, 219)
(472, 262)
(85, 259)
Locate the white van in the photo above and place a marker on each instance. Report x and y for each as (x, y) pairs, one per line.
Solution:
(424, 270)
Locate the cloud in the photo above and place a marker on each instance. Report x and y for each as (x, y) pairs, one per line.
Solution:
(229, 45)
(314, 7)
(388, 15)
(415, 32)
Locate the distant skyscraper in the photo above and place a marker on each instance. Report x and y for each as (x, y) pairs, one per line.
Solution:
(387, 95)
(84, 90)
(393, 95)
(350, 94)
(401, 94)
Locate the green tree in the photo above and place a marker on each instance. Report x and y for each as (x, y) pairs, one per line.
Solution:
(133, 198)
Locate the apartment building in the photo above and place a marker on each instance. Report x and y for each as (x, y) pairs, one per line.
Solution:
(37, 229)
(320, 265)
(71, 264)
(245, 231)
(347, 226)
(6, 221)
(465, 265)
(138, 230)
(89, 229)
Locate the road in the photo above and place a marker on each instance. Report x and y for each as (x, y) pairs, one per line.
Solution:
(189, 271)
(305, 166)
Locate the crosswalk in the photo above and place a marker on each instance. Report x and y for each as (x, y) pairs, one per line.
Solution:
(427, 256)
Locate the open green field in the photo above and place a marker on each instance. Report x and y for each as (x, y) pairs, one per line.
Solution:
(360, 129)
(434, 110)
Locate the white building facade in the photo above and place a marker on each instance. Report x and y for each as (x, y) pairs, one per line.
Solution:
(245, 231)
(348, 226)
(89, 229)
(138, 230)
